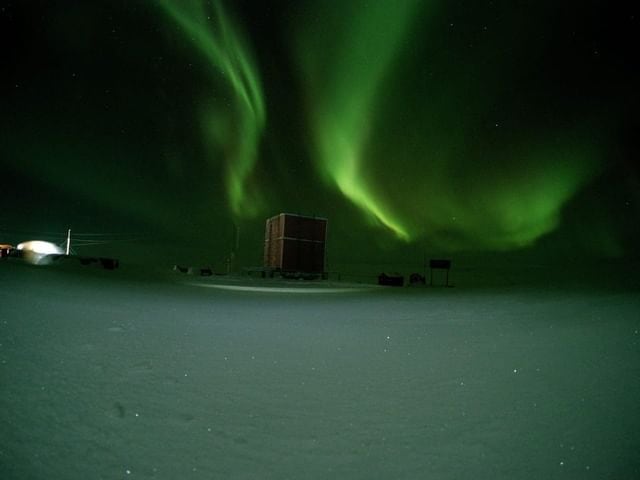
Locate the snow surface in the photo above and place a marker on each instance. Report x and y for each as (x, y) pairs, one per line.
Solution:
(106, 376)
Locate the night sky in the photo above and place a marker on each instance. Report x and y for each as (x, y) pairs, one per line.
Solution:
(447, 128)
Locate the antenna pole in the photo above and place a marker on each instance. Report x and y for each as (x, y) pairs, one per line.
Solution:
(231, 259)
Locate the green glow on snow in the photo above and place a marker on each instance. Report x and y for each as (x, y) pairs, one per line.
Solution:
(215, 35)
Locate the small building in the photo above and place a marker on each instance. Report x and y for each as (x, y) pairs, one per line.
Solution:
(5, 249)
(295, 243)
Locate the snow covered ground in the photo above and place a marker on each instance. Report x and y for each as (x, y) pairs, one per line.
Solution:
(106, 376)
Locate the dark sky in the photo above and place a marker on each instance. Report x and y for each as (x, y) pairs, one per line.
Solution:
(455, 128)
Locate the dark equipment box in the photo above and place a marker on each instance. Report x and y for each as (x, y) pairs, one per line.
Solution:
(295, 243)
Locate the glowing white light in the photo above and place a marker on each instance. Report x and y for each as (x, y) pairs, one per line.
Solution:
(40, 246)
(38, 251)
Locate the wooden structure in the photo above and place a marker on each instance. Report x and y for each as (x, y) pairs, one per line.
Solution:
(295, 244)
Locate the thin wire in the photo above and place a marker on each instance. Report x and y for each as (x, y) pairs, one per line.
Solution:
(81, 238)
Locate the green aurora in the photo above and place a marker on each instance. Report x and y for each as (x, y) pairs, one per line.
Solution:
(234, 132)
(412, 126)
(343, 88)
(521, 201)
(344, 78)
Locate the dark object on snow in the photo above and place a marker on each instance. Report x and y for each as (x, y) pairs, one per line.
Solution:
(295, 243)
(264, 272)
(390, 280)
(5, 250)
(416, 279)
(87, 260)
(204, 271)
(104, 262)
(435, 264)
(109, 263)
(301, 275)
